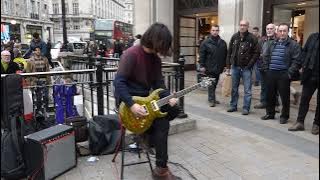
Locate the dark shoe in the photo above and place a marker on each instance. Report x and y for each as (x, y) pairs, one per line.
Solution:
(283, 120)
(296, 97)
(212, 104)
(231, 110)
(267, 117)
(298, 126)
(256, 84)
(315, 129)
(164, 174)
(217, 102)
(277, 109)
(260, 106)
(245, 112)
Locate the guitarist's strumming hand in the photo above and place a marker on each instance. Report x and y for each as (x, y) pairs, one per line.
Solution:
(138, 110)
(173, 101)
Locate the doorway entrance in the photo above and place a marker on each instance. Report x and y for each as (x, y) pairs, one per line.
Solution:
(193, 20)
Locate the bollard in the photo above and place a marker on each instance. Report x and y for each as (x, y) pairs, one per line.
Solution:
(181, 61)
(100, 98)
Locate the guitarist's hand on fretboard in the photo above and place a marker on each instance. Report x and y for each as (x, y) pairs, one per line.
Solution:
(138, 110)
(173, 101)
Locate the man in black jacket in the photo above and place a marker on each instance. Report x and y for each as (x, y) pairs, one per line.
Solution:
(281, 61)
(242, 55)
(310, 82)
(213, 54)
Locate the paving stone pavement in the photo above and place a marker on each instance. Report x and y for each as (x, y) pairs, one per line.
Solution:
(224, 146)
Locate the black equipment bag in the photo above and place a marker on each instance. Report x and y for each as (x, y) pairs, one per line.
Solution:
(80, 126)
(104, 133)
(12, 126)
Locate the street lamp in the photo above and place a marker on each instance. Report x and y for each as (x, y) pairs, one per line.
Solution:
(64, 28)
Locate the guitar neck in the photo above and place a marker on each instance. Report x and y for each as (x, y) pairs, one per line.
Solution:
(178, 94)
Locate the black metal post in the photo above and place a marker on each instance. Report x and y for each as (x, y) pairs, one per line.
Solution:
(100, 97)
(181, 61)
(64, 27)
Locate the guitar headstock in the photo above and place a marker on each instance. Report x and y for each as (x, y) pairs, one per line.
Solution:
(206, 81)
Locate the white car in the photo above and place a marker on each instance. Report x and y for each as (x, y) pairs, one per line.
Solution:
(76, 48)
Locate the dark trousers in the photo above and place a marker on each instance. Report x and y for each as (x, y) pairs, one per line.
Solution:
(50, 62)
(158, 134)
(278, 81)
(212, 88)
(264, 90)
(309, 87)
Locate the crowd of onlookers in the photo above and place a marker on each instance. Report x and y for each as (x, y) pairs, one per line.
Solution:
(276, 60)
(36, 59)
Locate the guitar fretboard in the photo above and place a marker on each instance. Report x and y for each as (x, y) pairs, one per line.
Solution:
(178, 94)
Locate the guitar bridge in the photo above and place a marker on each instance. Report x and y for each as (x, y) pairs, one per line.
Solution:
(154, 105)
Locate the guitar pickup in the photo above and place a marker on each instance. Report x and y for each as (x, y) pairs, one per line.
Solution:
(154, 106)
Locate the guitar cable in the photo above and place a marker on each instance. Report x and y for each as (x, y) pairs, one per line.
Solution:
(178, 165)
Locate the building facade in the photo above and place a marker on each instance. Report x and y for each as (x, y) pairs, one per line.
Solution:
(80, 16)
(129, 11)
(21, 18)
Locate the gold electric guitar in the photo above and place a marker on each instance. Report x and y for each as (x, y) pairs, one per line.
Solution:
(152, 105)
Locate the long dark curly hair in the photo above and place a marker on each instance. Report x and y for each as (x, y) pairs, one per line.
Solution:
(158, 38)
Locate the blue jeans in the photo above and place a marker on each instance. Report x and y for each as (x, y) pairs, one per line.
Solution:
(245, 74)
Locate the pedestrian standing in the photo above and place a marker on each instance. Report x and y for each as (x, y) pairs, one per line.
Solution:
(36, 42)
(7, 65)
(137, 40)
(271, 36)
(213, 54)
(242, 54)
(281, 64)
(257, 75)
(310, 82)
(48, 54)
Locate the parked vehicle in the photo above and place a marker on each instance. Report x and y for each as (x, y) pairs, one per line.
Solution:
(76, 48)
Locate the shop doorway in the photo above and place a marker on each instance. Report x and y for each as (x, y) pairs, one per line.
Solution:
(193, 20)
(303, 18)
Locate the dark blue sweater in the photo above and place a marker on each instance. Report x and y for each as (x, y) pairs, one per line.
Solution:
(277, 58)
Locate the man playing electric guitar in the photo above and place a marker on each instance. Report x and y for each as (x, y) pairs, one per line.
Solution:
(140, 72)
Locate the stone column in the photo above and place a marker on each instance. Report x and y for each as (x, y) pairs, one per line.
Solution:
(164, 13)
(149, 11)
(143, 15)
(311, 22)
(230, 12)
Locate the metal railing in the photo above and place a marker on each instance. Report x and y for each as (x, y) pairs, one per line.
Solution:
(94, 77)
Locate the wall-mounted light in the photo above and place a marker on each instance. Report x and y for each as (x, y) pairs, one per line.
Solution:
(13, 22)
(300, 4)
